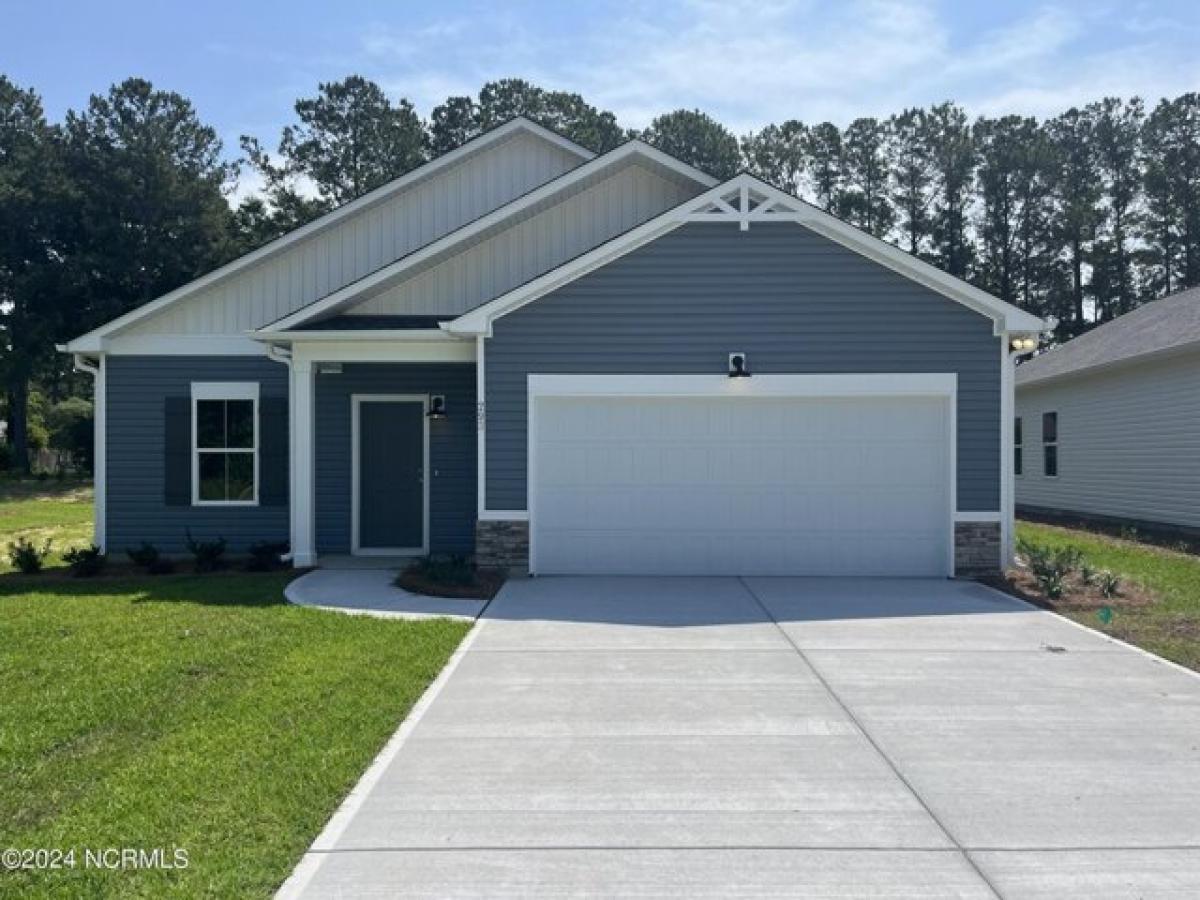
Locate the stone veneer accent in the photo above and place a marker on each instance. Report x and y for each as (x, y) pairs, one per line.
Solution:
(976, 549)
(502, 545)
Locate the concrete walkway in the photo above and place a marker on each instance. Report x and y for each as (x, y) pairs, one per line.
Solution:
(369, 591)
(784, 737)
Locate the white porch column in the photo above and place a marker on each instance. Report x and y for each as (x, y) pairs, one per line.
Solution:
(1008, 362)
(304, 548)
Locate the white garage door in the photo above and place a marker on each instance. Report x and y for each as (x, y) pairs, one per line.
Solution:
(740, 486)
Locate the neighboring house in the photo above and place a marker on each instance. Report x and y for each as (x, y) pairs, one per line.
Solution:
(1108, 425)
(524, 351)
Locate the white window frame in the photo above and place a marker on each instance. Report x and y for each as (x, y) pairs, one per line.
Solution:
(1053, 443)
(223, 390)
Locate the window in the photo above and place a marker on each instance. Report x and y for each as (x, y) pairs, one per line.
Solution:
(1050, 444)
(1018, 461)
(224, 443)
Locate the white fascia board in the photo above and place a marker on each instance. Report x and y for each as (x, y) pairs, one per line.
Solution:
(1007, 318)
(402, 335)
(383, 351)
(180, 345)
(381, 278)
(819, 384)
(84, 343)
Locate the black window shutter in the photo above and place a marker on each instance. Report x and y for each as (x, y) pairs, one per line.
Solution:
(177, 444)
(273, 451)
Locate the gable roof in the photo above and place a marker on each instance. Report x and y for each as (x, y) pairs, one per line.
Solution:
(91, 340)
(456, 241)
(1160, 326)
(746, 199)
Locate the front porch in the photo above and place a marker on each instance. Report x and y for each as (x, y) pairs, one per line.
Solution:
(383, 447)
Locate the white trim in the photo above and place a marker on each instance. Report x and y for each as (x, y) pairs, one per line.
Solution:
(403, 335)
(384, 351)
(504, 515)
(978, 516)
(224, 390)
(181, 345)
(480, 430)
(98, 371)
(356, 402)
(381, 278)
(745, 199)
(89, 341)
(936, 384)
(303, 442)
(898, 384)
(1007, 413)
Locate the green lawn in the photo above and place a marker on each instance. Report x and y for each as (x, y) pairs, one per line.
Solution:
(58, 510)
(1169, 627)
(193, 712)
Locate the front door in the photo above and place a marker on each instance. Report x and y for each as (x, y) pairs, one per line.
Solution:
(390, 462)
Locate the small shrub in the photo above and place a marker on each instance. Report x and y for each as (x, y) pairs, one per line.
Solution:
(207, 554)
(26, 556)
(1087, 575)
(1052, 584)
(148, 558)
(1129, 533)
(1110, 584)
(451, 570)
(85, 561)
(264, 555)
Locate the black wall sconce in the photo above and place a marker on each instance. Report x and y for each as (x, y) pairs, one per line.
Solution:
(437, 407)
(739, 367)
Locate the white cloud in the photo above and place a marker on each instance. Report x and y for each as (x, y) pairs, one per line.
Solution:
(749, 63)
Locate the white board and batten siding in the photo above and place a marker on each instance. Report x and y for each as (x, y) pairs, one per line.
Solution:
(1128, 442)
(631, 195)
(359, 244)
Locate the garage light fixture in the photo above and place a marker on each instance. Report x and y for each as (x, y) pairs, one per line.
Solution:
(437, 407)
(739, 367)
(1026, 344)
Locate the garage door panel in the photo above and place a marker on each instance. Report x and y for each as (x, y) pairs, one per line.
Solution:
(741, 486)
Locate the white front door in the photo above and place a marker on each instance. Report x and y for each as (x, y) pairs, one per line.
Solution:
(741, 485)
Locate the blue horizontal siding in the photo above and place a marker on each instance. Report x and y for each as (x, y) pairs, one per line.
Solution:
(452, 447)
(137, 390)
(792, 300)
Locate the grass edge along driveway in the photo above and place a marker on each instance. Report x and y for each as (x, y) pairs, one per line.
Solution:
(1169, 627)
(190, 712)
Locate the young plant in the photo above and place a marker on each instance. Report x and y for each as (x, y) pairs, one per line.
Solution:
(85, 561)
(26, 556)
(207, 554)
(451, 570)
(1087, 575)
(1110, 584)
(148, 558)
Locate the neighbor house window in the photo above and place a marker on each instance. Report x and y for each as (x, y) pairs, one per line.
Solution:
(225, 443)
(1018, 461)
(1050, 444)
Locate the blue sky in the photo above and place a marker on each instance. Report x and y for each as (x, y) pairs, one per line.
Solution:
(748, 62)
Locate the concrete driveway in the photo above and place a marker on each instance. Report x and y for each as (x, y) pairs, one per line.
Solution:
(785, 737)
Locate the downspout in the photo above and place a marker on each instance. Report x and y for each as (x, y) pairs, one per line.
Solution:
(99, 443)
(282, 355)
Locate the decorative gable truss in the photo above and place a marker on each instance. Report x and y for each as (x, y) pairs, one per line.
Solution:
(743, 201)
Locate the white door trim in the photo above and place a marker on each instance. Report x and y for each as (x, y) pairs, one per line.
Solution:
(356, 402)
(896, 384)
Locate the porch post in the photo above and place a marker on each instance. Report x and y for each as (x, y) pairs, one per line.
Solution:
(304, 551)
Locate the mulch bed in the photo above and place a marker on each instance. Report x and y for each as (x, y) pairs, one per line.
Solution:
(1078, 597)
(484, 586)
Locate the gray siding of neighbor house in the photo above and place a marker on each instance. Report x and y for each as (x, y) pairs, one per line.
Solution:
(1128, 443)
(792, 300)
(138, 389)
(452, 447)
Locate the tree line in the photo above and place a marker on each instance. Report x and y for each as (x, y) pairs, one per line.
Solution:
(1081, 216)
